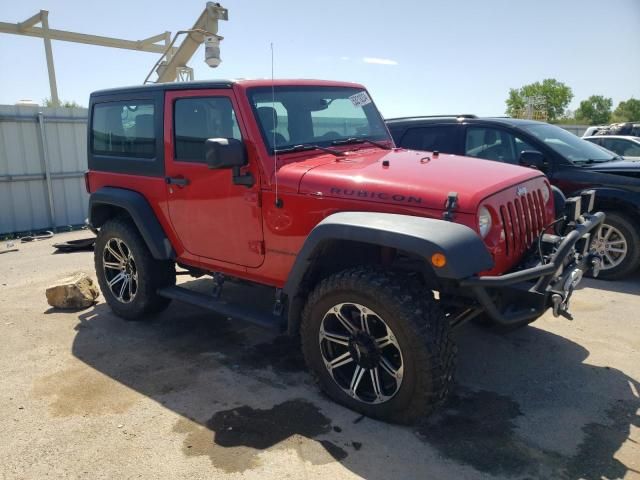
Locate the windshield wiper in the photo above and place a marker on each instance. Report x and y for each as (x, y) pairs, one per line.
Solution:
(303, 148)
(590, 161)
(354, 140)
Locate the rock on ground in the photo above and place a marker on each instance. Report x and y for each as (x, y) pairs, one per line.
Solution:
(75, 291)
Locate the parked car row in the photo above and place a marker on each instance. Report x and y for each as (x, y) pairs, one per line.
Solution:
(571, 164)
(626, 128)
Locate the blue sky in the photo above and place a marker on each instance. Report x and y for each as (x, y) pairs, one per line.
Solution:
(415, 57)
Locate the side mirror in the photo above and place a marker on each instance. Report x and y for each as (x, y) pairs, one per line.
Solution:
(225, 153)
(228, 153)
(532, 158)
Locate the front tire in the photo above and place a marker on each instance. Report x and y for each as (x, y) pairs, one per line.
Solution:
(127, 273)
(377, 346)
(618, 242)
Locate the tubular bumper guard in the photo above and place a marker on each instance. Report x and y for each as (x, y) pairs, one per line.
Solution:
(516, 298)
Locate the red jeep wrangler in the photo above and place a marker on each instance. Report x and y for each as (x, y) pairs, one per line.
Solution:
(374, 253)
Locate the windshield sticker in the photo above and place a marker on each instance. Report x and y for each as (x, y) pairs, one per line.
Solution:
(360, 99)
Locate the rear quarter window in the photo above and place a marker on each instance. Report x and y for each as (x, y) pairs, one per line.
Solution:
(125, 133)
(124, 129)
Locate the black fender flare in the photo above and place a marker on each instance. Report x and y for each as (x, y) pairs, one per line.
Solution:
(140, 212)
(464, 249)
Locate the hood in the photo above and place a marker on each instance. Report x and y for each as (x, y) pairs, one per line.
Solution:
(619, 166)
(408, 177)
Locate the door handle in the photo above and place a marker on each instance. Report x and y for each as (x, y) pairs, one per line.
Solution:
(181, 182)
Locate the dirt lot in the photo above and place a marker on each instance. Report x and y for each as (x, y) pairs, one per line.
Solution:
(189, 395)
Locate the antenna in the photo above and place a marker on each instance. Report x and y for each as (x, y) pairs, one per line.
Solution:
(275, 120)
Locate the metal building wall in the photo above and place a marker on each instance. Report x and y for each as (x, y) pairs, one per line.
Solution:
(575, 129)
(42, 162)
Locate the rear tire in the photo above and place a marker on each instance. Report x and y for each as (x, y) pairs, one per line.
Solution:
(127, 273)
(403, 342)
(619, 242)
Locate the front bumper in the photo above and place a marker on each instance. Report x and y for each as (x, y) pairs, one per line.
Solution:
(523, 296)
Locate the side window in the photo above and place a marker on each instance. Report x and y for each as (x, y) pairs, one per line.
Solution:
(196, 119)
(440, 138)
(609, 145)
(632, 150)
(521, 146)
(494, 144)
(124, 129)
(621, 147)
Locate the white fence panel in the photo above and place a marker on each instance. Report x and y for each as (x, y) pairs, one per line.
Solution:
(42, 161)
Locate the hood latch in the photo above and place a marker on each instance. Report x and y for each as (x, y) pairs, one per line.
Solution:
(450, 206)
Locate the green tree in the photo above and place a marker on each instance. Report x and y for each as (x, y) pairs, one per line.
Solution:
(595, 110)
(555, 98)
(627, 111)
(47, 102)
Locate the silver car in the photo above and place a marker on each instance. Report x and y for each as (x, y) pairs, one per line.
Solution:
(626, 146)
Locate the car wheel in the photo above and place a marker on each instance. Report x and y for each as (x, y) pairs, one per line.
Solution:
(618, 243)
(376, 346)
(127, 273)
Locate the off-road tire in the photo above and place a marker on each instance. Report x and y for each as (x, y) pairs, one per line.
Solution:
(151, 273)
(631, 261)
(419, 326)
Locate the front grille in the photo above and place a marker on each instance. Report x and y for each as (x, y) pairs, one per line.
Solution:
(522, 222)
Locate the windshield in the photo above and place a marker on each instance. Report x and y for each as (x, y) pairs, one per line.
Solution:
(568, 145)
(293, 116)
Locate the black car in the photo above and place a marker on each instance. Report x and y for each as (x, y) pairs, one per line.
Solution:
(572, 164)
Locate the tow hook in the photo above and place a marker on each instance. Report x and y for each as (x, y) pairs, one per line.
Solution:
(560, 306)
(561, 301)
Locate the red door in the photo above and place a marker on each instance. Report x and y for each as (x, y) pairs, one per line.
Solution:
(215, 219)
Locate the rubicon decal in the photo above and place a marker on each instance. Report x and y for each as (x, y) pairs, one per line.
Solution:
(395, 197)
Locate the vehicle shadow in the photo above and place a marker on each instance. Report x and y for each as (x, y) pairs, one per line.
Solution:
(526, 404)
(629, 285)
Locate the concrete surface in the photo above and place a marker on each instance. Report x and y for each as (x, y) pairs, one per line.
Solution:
(188, 395)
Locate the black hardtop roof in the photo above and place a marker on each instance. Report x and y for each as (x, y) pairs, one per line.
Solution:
(466, 118)
(152, 87)
(212, 84)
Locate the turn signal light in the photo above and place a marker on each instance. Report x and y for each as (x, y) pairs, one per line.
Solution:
(438, 260)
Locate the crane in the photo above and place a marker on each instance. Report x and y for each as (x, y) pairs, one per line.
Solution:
(205, 30)
(172, 64)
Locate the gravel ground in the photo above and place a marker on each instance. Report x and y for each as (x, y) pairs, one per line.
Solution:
(189, 395)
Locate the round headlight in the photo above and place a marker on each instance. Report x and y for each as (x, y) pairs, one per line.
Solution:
(546, 193)
(484, 221)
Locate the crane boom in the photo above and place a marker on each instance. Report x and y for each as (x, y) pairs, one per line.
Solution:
(206, 27)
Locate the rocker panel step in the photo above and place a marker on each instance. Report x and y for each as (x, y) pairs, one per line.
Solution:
(221, 307)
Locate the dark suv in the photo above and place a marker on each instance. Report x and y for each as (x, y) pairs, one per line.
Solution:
(570, 163)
